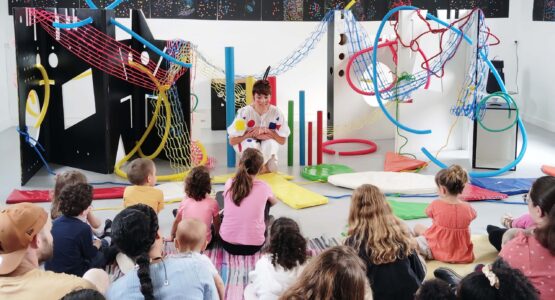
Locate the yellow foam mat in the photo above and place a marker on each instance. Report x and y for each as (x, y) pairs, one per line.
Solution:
(291, 194)
(484, 253)
(219, 179)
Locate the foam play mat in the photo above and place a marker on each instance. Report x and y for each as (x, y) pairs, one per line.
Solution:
(396, 163)
(323, 171)
(291, 194)
(476, 193)
(221, 179)
(408, 210)
(388, 182)
(36, 196)
(509, 186)
(484, 253)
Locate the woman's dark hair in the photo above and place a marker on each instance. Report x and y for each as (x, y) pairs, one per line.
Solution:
(197, 183)
(453, 179)
(512, 285)
(75, 198)
(287, 245)
(83, 294)
(134, 231)
(542, 194)
(262, 87)
(250, 164)
(434, 289)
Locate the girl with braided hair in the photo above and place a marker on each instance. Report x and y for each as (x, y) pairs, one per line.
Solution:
(448, 239)
(247, 201)
(135, 232)
(280, 267)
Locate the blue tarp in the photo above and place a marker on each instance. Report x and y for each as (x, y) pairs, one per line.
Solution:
(509, 186)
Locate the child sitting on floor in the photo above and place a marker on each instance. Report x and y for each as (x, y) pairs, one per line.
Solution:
(384, 243)
(68, 178)
(189, 241)
(142, 174)
(448, 239)
(75, 251)
(280, 267)
(198, 204)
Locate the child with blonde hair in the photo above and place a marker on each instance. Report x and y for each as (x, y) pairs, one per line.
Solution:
(384, 243)
(142, 174)
(198, 204)
(190, 240)
(448, 239)
(335, 274)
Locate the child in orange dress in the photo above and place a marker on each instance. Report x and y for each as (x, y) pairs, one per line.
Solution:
(448, 239)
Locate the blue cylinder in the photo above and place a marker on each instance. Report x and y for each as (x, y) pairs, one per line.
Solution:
(229, 100)
(302, 140)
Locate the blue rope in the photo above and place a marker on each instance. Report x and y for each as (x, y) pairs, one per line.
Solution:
(84, 22)
(149, 45)
(30, 140)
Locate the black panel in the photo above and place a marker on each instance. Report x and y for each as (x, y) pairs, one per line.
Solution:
(123, 9)
(313, 10)
(293, 10)
(538, 12)
(272, 10)
(330, 70)
(217, 104)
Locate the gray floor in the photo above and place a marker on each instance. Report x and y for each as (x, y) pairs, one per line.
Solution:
(326, 220)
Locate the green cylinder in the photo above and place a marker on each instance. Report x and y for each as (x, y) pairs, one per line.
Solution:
(290, 138)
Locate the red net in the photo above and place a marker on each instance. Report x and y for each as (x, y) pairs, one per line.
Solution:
(102, 51)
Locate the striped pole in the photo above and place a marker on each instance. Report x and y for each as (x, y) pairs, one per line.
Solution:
(302, 140)
(229, 100)
(290, 138)
(319, 137)
(309, 143)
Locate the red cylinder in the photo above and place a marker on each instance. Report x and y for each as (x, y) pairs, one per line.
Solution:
(273, 84)
(309, 143)
(319, 137)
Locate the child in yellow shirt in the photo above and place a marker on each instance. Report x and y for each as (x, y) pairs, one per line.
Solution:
(142, 174)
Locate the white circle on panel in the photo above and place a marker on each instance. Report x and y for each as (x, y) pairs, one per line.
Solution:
(53, 60)
(130, 56)
(145, 58)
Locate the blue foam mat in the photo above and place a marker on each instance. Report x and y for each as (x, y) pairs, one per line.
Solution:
(509, 186)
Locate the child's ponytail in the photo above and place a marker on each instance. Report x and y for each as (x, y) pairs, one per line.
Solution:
(250, 164)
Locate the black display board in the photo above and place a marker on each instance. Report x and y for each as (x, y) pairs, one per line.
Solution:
(284, 10)
(544, 10)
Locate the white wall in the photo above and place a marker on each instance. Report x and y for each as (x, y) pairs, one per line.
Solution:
(259, 44)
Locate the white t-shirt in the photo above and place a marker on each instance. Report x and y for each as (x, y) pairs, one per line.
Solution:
(269, 282)
(247, 118)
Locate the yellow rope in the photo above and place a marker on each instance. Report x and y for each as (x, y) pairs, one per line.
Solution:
(46, 102)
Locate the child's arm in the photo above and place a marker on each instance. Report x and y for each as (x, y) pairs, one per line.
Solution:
(525, 221)
(219, 286)
(160, 202)
(273, 200)
(93, 220)
(217, 222)
(178, 219)
(89, 248)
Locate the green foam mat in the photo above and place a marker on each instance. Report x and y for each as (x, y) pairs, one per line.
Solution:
(321, 172)
(408, 210)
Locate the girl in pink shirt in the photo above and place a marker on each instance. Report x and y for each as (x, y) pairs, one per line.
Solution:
(198, 204)
(245, 207)
(448, 239)
(533, 252)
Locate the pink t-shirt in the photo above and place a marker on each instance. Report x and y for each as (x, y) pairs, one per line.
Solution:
(244, 224)
(525, 221)
(204, 211)
(525, 253)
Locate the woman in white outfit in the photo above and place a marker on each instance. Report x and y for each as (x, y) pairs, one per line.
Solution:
(261, 126)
